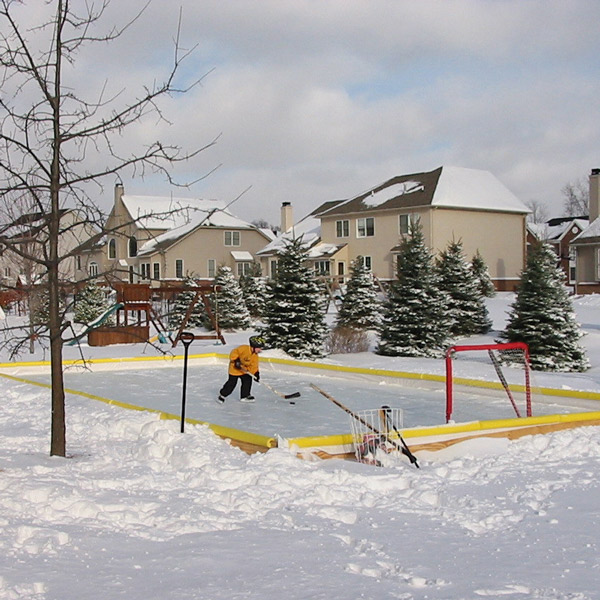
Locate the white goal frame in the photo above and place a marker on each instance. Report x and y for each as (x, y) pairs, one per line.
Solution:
(490, 349)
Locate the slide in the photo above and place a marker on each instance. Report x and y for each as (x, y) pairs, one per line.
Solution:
(95, 323)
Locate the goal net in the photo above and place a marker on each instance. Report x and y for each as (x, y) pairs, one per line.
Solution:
(375, 433)
(502, 368)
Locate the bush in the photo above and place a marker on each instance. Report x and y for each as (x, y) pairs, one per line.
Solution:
(347, 340)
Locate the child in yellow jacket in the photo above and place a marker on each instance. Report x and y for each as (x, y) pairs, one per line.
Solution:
(243, 366)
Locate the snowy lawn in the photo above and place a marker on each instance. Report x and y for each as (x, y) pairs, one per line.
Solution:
(140, 511)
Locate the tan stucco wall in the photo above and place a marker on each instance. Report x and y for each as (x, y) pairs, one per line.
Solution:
(586, 264)
(206, 243)
(499, 237)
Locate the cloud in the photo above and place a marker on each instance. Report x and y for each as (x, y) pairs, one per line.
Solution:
(321, 99)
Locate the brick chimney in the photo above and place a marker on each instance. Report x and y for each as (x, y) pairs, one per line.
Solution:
(287, 216)
(594, 194)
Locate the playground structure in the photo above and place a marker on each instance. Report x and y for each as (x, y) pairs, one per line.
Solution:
(134, 310)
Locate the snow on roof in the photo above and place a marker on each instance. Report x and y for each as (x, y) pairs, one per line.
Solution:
(392, 191)
(157, 212)
(593, 231)
(216, 216)
(242, 255)
(473, 188)
(323, 250)
(309, 229)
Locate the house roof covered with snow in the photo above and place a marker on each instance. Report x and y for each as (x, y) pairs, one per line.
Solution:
(450, 187)
(591, 235)
(555, 232)
(183, 219)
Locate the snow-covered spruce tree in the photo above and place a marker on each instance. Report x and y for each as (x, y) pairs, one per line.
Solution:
(466, 305)
(254, 290)
(91, 302)
(181, 305)
(415, 321)
(361, 307)
(542, 316)
(293, 315)
(482, 274)
(227, 303)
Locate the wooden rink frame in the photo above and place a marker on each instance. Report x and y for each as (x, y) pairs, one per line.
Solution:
(419, 439)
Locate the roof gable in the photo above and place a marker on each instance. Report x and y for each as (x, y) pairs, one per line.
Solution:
(451, 187)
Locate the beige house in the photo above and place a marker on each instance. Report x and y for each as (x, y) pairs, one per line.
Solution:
(451, 203)
(156, 238)
(29, 233)
(587, 244)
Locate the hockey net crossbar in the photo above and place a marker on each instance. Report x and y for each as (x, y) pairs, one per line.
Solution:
(498, 357)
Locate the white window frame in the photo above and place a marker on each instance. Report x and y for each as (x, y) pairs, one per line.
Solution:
(93, 269)
(367, 261)
(145, 270)
(232, 238)
(363, 225)
(211, 267)
(179, 268)
(404, 222)
(323, 267)
(273, 266)
(156, 271)
(342, 228)
(112, 248)
(243, 268)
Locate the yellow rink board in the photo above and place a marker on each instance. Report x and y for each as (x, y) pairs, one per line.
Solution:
(425, 438)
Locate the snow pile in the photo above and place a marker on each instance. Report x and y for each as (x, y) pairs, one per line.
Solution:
(142, 511)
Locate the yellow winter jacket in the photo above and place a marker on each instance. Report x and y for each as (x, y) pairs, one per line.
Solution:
(248, 359)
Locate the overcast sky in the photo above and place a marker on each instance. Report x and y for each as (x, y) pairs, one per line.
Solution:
(316, 100)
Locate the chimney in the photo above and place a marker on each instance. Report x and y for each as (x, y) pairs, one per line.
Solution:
(287, 216)
(119, 191)
(594, 208)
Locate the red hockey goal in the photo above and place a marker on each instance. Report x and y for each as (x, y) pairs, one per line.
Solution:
(498, 359)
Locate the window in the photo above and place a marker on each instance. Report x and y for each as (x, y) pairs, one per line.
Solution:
(273, 268)
(405, 221)
(212, 267)
(78, 262)
(232, 238)
(342, 229)
(6, 271)
(131, 274)
(132, 247)
(365, 227)
(93, 269)
(243, 268)
(112, 248)
(322, 267)
(179, 268)
(145, 270)
(367, 263)
(155, 270)
(341, 271)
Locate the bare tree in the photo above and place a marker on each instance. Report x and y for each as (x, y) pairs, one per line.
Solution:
(56, 144)
(576, 198)
(539, 211)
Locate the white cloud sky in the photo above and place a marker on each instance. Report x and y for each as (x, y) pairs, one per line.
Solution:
(321, 99)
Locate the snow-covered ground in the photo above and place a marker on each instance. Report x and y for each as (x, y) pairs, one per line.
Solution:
(142, 511)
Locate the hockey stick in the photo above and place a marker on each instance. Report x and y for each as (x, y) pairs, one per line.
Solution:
(503, 381)
(388, 419)
(404, 450)
(280, 394)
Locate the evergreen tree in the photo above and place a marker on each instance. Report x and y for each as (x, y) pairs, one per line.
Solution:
(482, 275)
(227, 303)
(360, 308)
(181, 305)
(91, 303)
(254, 290)
(466, 305)
(542, 316)
(414, 321)
(293, 315)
